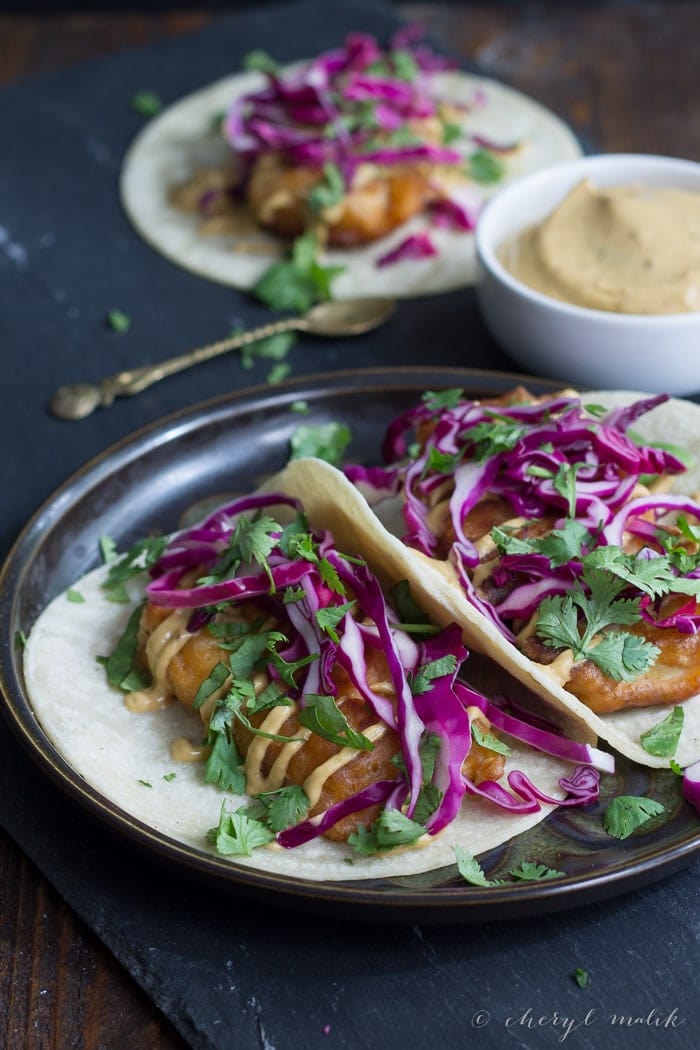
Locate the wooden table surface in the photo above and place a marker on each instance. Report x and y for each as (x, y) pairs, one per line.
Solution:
(625, 77)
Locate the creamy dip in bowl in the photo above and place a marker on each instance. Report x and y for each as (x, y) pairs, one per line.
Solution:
(590, 272)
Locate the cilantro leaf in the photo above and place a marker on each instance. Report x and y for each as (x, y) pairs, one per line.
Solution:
(323, 716)
(662, 739)
(329, 618)
(531, 871)
(326, 441)
(211, 684)
(139, 558)
(581, 977)
(285, 807)
(297, 283)
(626, 813)
(391, 828)
(471, 871)
(438, 400)
(238, 834)
(146, 103)
(329, 191)
(420, 683)
(489, 741)
(120, 664)
(260, 61)
(273, 348)
(486, 167)
(118, 321)
(225, 766)
(491, 437)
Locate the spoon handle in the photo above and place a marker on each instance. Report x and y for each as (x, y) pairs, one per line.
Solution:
(134, 380)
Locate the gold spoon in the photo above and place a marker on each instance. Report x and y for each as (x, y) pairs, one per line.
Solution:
(344, 317)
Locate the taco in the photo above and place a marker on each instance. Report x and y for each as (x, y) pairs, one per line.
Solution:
(384, 154)
(562, 535)
(253, 658)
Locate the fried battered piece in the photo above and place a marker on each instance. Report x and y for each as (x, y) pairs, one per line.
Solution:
(376, 203)
(300, 760)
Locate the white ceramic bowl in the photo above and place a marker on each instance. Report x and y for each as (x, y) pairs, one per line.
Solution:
(593, 348)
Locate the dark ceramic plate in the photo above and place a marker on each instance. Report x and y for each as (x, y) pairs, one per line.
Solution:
(148, 482)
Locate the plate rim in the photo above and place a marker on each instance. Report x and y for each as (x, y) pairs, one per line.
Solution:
(354, 899)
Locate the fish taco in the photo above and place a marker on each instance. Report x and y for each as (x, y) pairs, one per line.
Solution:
(380, 156)
(246, 687)
(562, 533)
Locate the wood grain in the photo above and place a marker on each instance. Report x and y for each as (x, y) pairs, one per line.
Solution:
(625, 76)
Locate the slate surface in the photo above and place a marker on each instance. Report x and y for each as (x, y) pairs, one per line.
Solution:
(228, 974)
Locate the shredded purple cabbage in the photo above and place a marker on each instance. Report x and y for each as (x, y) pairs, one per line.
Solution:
(438, 709)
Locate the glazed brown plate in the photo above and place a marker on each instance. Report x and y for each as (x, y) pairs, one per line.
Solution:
(150, 482)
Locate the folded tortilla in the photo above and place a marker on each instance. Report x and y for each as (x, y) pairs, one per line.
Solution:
(437, 588)
(184, 139)
(126, 757)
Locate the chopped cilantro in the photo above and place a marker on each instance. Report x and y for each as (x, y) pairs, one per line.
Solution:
(581, 977)
(471, 871)
(278, 373)
(273, 348)
(531, 871)
(260, 62)
(329, 191)
(438, 400)
(146, 103)
(301, 407)
(662, 739)
(489, 741)
(120, 665)
(169, 776)
(214, 681)
(285, 807)
(675, 768)
(74, 596)
(225, 765)
(297, 283)
(450, 133)
(118, 321)
(484, 166)
(329, 618)
(140, 557)
(20, 639)
(626, 813)
(420, 683)
(238, 834)
(326, 441)
(144, 783)
(405, 67)
(493, 437)
(108, 549)
(323, 716)
(392, 828)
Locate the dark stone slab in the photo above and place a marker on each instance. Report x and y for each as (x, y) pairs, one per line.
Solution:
(228, 973)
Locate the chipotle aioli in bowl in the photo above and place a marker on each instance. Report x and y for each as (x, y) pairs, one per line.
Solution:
(625, 249)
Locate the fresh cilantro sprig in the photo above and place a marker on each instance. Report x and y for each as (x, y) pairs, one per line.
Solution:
(618, 654)
(284, 807)
(421, 680)
(626, 813)
(489, 741)
(238, 834)
(299, 282)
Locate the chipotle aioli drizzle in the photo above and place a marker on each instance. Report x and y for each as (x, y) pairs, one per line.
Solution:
(164, 642)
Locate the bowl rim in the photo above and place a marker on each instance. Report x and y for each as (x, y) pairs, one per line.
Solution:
(592, 162)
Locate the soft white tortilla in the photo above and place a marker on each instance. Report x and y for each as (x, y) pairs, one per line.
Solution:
(327, 492)
(115, 751)
(183, 140)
